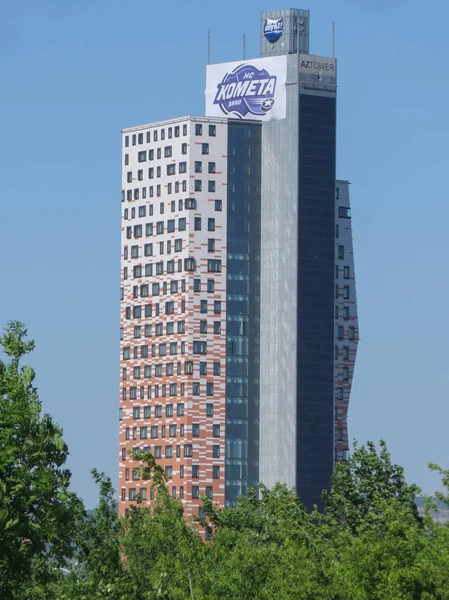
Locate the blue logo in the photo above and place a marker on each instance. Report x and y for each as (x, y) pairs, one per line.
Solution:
(273, 29)
(246, 90)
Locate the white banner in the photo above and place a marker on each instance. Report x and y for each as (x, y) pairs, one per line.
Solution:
(250, 89)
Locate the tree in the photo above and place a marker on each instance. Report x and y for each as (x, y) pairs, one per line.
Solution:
(37, 510)
(359, 484)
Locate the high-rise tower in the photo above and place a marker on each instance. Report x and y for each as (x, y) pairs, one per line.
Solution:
(238, 315)
(297, 268)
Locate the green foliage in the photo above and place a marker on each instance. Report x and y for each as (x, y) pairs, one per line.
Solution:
(370, 543)
(359, 485)
(36, 508)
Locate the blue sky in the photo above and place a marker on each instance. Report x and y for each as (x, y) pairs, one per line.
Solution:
(75, 73)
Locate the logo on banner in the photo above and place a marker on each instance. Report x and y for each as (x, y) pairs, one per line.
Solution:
(246, 90)
(273, 29)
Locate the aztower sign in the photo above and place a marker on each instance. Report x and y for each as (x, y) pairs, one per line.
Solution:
(317, 65)
(253, 89)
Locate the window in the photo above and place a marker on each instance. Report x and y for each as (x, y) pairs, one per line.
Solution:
(195, 492)
(142, 156)
(199, 347)
(216, 472)
(132, 493)
(216, 450)
(203, 368)
(346, 292)
(214, 266)
(209, 410)
(210, 224)
(182, 167)
(197, 285)
(346, 272)
(218, 205)
(140, 138)
(217, 307)
(346, 373)
(140, 178)
(168, 451)
(195, 471)
(198, 129)
(171, 170)
(198, 166)
(341, 252)
(183, 151)
(211, 186)
(189, 264)
(197, 225)
(217, 368)
(203, 326)
(344, 212)
(211, 245)
(352, 333)
(209, 388)
(167, 151)
(340, 332)
(211, 168)
(126, 141)
(212, 130)
(346, 313)
(158, 452)
(182, 224)
(168, 472)
(209, 491)
(188, 450)
(195, 388)
(210, 285)
(217, 327)
(345, 352)
(198, 185)
(204, 148)
(337, 230)
(180, 409)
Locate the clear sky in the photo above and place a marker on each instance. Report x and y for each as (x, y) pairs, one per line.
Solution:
(73, 74)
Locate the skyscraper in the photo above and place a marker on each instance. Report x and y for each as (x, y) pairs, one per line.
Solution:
(234, 367)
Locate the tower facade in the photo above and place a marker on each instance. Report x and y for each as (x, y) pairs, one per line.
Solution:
(189, 306)
(346, 318)
(238, 311)
(297, 278)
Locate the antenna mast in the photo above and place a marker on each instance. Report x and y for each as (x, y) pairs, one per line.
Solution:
(208, 46)
(333, 39)
(244, 46)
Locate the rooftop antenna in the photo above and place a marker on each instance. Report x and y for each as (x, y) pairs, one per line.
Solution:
(208, 46)
(333, 39)
(244, 46)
